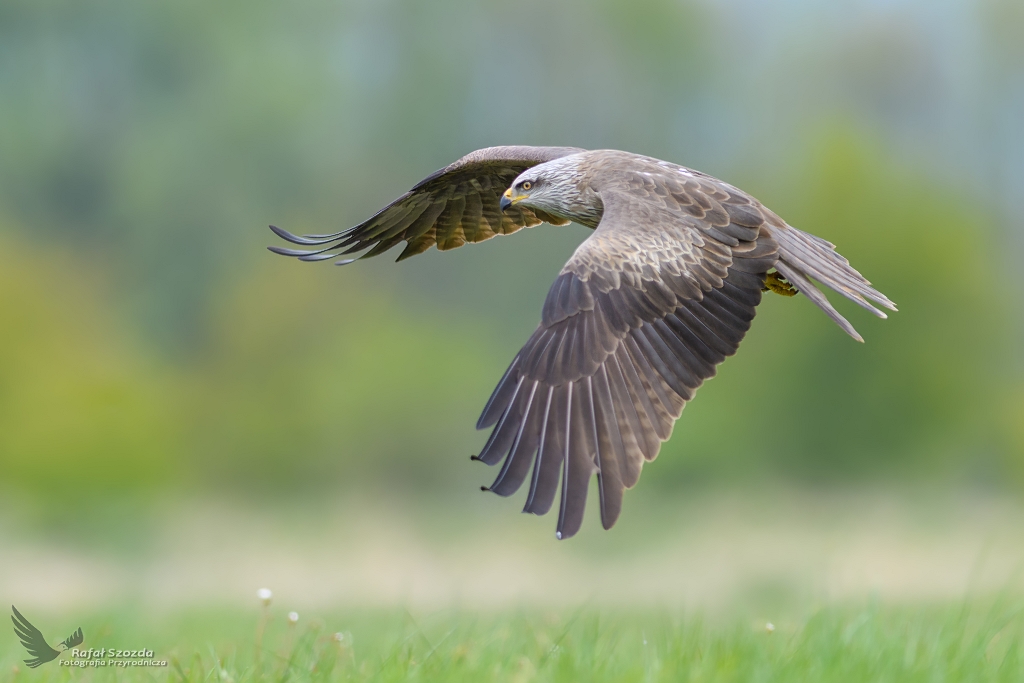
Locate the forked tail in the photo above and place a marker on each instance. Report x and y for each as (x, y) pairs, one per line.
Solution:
(803, 256)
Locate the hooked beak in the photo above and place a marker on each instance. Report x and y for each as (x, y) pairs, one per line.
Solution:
(507, 200)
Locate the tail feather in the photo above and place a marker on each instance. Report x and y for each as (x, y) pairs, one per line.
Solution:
(803, 256)
(797, 279)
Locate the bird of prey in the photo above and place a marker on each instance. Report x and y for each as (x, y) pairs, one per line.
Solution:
(36, 644)
(646, 308)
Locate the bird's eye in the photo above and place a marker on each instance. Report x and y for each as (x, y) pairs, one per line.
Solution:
(526, 185)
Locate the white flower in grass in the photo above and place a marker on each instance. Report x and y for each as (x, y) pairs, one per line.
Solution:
(293, 618)
(769, 627)
(339, 637)
(265, 594)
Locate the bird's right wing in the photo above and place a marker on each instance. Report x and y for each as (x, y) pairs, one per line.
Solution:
(33, 641)
(453, 206)
(660, 294)
(75, 639)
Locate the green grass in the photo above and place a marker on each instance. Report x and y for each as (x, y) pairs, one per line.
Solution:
(981, 641)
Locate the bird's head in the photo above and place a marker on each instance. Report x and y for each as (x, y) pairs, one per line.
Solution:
(554, 188)
(531, 189)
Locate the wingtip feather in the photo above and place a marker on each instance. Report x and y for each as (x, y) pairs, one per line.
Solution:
(285, 251)
(285, 235)
(306, 240)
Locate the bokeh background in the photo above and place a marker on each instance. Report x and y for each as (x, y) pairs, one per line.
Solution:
(185, 416)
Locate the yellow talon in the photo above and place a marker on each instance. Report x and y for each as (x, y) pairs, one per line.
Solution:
(778, 284)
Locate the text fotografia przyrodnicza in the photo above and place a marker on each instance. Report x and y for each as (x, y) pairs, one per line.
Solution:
(94, 657)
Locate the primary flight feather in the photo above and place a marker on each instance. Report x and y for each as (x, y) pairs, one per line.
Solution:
(650, 303)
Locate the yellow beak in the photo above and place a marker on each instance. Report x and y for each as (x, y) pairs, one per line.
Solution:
(508, 199)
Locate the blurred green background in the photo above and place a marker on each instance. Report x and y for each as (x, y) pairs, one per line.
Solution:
(152, 348)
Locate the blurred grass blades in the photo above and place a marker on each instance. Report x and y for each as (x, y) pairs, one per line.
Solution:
(970, 641)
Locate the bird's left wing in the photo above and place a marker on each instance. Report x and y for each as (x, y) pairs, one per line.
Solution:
(33, 641)
(450, 207)
(643, 312)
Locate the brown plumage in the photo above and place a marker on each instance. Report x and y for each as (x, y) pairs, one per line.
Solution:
(644, 311)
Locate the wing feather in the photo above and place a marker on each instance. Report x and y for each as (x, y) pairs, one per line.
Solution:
(633, 428)
(554, 443)
(517, 464)
(450, 234)
(578, 465)
(611, 454)
(501, 397)
(656, 419)
(501, 438)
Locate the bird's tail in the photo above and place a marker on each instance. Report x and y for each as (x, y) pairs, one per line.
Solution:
(803, 256)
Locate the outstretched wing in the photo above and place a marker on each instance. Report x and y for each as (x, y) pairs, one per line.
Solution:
(644, 311)
(453, 206)
(75, 639)
(33, 641)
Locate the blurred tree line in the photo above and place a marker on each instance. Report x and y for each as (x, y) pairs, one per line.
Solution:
(151, 344)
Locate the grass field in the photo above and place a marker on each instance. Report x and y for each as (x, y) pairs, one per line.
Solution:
(861, 588)
(973, 641)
